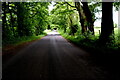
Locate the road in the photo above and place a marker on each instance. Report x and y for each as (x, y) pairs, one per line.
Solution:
(51, 58)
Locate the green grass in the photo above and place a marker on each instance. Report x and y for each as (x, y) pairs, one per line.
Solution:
(27, 39)
(96, 29)
(21, 40)
(91, 41)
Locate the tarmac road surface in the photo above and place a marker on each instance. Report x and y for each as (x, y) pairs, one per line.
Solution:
(51, 58)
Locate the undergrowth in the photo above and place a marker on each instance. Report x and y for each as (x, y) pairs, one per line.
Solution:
(91, 42)
(20, 40)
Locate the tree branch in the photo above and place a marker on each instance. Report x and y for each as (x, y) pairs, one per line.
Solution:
(66, 3)
(69, 4)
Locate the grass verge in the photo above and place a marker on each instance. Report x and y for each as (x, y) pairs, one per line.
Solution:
(90, 44)
(105, 56)
(13, 46)
(21, 40)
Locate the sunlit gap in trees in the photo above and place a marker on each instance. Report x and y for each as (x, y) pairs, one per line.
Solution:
(97, 23)
(53, 33)
(51, 6)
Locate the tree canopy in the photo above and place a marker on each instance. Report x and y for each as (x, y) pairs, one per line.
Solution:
(74, 18)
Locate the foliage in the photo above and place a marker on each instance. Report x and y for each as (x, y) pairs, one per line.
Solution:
(117, 5)
(22, 19)
(65, 16)
(91, 43)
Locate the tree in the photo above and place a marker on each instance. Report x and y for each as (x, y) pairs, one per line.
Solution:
(107, 28)
(89, 18)
(4, 20)
(81, 17)
(23, 19)
(63, 15)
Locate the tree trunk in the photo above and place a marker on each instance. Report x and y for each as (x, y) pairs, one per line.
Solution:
(20, 19)
(4, 20)
(71, 25)
(119, 24)
(11, 21)
(88, 15)
(65, 23)
(81, 17)
(71, 22)
(107, 28)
